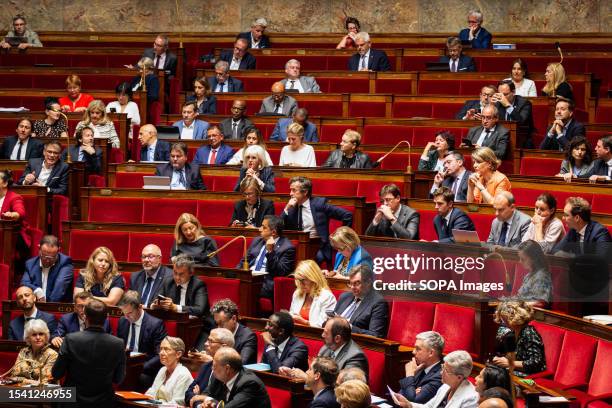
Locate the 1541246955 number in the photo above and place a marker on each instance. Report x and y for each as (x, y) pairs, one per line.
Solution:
(35, 394)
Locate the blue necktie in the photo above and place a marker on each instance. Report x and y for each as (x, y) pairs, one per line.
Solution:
(133, 338)
(261, 259)
(147, 291)
(502, 234)
(81, 155)
(351, 309)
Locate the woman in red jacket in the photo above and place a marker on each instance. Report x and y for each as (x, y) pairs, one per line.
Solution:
(12, 208)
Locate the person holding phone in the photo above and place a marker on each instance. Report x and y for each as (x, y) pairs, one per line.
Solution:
(434, 153)
(312, 297)
(124, 104)
(472, 109)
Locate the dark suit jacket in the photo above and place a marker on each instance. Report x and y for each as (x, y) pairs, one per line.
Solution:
(428, 383)
(362, 160)
(573, 130)
(204, 375)
(152, 332)
(351, 355)
(266, 207)
(326, 399)
(295, 354)
(596, 240)
(169, 64)
(93, 162)
(245, 342)
(600, 168)
(463, 186)
(498, 141)
(139, 279)
(192, 175)
(322, 211)
(264, 41)
(458, 220)
(69, 323)
(377, 61)
(208, 107)
(279, 262)
(465, 63)
(57, 183)
(406, 226)
(522, 113)
(59, 281)
(371, 316)
(266, 175)
(471, 104)
(16, 326)
(92, 361)
(161, 153)
(482, 40)
(152, 83)
(226, 127)
(280, 131)
(224, 154)
(232, 84)
(33, 151)
(196, 298)
(248, 60)
(248, 391)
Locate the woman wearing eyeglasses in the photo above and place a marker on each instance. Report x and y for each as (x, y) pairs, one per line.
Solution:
(251, 211)
(256, 166)
(312, 297)
(350, 252)
(35, 360)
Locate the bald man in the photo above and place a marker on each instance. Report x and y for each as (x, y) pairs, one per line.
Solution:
(509, 225)
(279, 103)
(152, 149)
(148, 281)
(493, 403)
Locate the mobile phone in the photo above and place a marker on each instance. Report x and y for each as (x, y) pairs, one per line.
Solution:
(331, 313)
(467, 142)
(113, 110)
(162, 297)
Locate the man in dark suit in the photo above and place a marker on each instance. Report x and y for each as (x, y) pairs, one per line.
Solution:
(152, 149)
(218, 338)
(161, 57)
(235, 126)
(424, 371)
(183, 175)
(299, 116)
(457, 62)
(74, 321)
(81, 352)
(239, 58)
(225, 314)
(584, 236)
(321, 378)
(564, 128)
(514, 107)
(141, 333)
(490, 134)
(510, 224)
(222, 81)
(48, 171)
(148, 281)
(364, 307)
(311, 214)
(256, 37)
(22, 146)
(26, 301)
(455, 177)
(602, 167)
(367, 59)
(393, 219)
(281, 347)
(271, 253)
(449, 217)
(233, 384)
(279, 102)
(475, 35)
(471, 109)
(337, 338)
(216, 152)
(50, 274)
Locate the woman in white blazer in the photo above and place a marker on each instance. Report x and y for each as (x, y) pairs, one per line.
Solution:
(456, 389)
(312, 297)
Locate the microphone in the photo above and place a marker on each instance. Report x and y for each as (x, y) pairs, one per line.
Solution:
(558, 47)
(408, 169)
(245, 263)
(68, 157)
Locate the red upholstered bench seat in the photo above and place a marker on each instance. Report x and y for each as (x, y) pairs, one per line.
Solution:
(539, 166)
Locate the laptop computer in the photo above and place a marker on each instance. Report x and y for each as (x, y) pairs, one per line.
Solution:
(168, 132)
(437, 66)
(15, 41)
(156, 182)
(462, 236)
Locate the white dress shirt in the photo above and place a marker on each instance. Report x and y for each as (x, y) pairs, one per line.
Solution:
(308, 220)
(136, 332)
(296, 85)
(24, 147)
(187, 132)
(481, 139)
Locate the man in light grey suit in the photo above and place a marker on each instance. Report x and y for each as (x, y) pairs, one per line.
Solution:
(393, 219)
(490, 134)
(303, 84)
(340, 346)
(278, 102)
(509, 224)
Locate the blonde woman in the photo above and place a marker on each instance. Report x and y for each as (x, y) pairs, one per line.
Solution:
(36, 357)
(191, 240)
(353, 394)
(256, 166)
(556, 85)
(350, 252)
(96, 118)
(297, 153)
(312, 297)
(486, 181)
(252, 137)
(173, 378)
(101, 277)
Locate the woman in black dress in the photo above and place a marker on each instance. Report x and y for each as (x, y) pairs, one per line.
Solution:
(190, 239)
(251, 211)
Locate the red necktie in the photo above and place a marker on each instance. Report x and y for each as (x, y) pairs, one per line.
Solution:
(213, 156)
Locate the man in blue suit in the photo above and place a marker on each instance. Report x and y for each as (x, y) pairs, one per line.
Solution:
(281, 347)
(475, 35)
(455, 177)
(152, 149)
(311, 214)
(148, 281)
(239, 57)
(141, 333)
(74, 321)
(449, 218)
(321, 378)
(190, 127)
(299, 116)
(222, 81)
(368, 59)
(424, 371)
(216, 152)
(457, 62)
(256, 37)
(27, 302)
(50, 274)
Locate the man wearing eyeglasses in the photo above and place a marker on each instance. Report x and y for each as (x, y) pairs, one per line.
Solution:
(475, 35)
(49, 171)
(393, 219)
(147, 282)
(471, 109)
(490, 134)
(222, 81)
(239, 57)
(50, 274)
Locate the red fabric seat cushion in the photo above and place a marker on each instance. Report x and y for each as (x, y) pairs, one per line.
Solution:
(138, 240)
(166, 211)
(376, 364)
(409, 319)
(456, 325)
(222, 288)
(539, 166)
(552, 336)
(83, 243)
(115, 209)
(283, 292)
(215, 212)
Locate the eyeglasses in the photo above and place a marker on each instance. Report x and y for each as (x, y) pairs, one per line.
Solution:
(149, 256)
(48, 257)
(355, 284)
